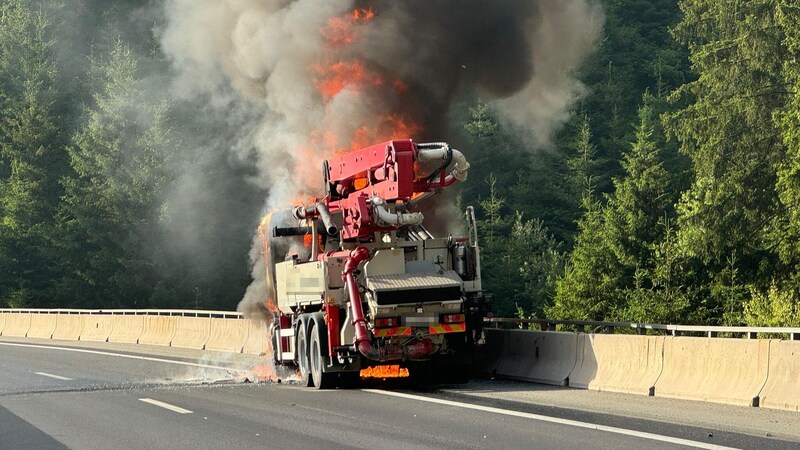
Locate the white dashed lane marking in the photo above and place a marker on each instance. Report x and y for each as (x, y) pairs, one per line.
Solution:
(50, 375)
(174, 408)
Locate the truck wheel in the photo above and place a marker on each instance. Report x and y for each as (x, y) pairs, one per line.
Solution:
(276, 357)
(321, 379)
(302, 356)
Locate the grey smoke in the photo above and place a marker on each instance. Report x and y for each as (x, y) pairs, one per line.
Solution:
(519, 55)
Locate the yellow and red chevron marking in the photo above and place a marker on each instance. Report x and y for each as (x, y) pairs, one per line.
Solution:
(442, 328)
(396, 331)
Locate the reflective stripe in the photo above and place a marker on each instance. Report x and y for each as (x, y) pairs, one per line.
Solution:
(396, 331)
(447, 328)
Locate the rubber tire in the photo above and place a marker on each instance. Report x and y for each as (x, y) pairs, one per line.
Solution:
(302, 356)
(321, 379)
(275, 349)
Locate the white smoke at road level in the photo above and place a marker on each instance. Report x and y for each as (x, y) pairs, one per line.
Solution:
(520, 55)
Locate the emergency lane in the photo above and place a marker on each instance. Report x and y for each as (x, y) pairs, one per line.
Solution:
(138, 409)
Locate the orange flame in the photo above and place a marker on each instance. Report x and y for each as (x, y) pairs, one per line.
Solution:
(392, 371)
(342, 73)
(340, 32)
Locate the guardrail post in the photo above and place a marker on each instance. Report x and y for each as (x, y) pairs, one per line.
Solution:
(752, 335)
(711, 334)
(640, 331)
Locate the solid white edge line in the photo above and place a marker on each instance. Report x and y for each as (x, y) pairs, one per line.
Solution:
(539, 417)
(119, 355)
(164, 405)
(57, 377)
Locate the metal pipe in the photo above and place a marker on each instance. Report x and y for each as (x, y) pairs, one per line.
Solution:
(440, 151)
(290, 231)
(383, 213)
(327, 219)
(314, 244)
(362, 341)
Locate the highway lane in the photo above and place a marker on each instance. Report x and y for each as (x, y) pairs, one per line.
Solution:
(122, 402)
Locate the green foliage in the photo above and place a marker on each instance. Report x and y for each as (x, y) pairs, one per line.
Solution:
(31, 159)
(112, 206)
(681, 205)
(774, 308)
(615, 268)
(787, 225)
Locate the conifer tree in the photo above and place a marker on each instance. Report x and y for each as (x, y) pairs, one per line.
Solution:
(32, 156)
(110, 213)
(725, 124)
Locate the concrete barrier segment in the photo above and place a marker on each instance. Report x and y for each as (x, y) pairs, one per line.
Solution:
(42, 326)
(97, 327)
(619, 363)
(546, 357)
(782, 390)
(17, 324)
(3, 321)
(158, 330)
(716, 370)
(126, 329)
(227, 335)
(257, 337)
(69, 326)
(488, 356)
(192, 332)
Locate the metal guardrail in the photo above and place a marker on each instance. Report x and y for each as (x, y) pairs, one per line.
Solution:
(136, 312)
(642, 328)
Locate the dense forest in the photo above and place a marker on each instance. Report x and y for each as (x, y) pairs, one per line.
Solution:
(670, 195)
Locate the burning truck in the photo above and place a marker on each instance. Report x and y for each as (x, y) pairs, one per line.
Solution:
(372, 288)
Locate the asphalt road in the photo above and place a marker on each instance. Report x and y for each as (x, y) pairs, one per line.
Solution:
(55, 395)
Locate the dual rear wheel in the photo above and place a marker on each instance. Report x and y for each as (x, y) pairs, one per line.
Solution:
(310, 361)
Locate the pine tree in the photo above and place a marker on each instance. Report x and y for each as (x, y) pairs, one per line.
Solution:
(787, 225)
(110, 214)
(724, 123)
(32, 156)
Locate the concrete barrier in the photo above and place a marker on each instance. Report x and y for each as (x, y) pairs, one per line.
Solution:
(715, 370)
(619, 363)
(17, 324)
(126, 329)
(227, 335)
(3, 321)
(42, 326)
(782, 390)
(192, 332)
(69, 326)
(256, 343)
(540, 356)
(158, 330)
(97, 328)
(488, 356)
